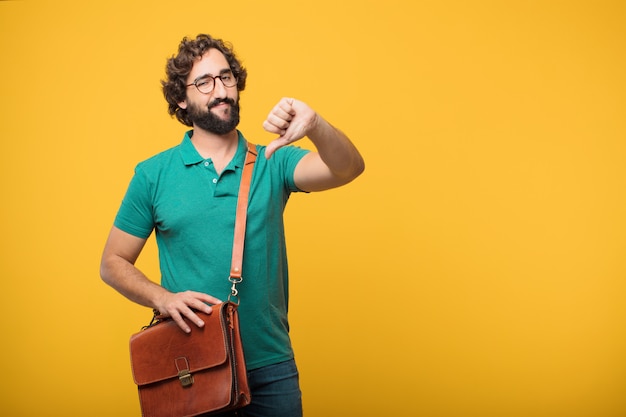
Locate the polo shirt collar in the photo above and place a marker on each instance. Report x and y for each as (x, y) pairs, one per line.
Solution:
(191, 156)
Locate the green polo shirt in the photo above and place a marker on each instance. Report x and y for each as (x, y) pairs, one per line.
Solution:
(191, 209)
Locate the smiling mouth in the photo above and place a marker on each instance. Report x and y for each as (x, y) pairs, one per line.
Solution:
(220, 103)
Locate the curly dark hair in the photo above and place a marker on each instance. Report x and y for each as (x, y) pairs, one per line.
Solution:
(179, 66)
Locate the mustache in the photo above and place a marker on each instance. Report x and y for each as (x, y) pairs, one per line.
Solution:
(219, 101)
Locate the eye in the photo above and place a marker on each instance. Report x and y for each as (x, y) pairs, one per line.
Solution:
(203, 83)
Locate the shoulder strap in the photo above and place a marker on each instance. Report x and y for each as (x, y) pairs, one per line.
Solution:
(240, 221)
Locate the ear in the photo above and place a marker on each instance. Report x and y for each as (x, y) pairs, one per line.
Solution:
(183, 104)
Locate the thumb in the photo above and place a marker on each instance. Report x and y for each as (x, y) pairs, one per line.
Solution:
(274, 145)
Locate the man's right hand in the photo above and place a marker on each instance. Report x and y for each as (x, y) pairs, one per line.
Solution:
(183, 304)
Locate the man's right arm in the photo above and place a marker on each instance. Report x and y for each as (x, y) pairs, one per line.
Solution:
(117, 268)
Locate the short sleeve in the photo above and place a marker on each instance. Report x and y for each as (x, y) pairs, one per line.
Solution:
(135, 215)
(289, 157)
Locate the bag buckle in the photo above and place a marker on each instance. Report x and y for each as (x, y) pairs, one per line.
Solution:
(186, 379)
(234, 292)
(184, 374)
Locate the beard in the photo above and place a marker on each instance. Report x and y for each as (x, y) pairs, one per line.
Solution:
(206, 120)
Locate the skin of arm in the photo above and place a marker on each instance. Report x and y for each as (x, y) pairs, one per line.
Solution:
(336, 162)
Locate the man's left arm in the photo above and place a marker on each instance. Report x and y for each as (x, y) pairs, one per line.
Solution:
(336, 162)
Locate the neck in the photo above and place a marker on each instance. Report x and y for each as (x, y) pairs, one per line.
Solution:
(216, 147)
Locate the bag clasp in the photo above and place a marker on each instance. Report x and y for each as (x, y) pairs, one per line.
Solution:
(184, 374)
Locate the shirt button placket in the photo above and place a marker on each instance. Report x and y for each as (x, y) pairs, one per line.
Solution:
(208, 165)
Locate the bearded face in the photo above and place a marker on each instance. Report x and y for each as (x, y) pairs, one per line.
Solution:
(222, 121)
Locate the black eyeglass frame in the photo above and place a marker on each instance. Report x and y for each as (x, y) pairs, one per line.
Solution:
(224, 73)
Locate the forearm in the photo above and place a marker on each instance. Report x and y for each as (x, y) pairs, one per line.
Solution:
(129, 281)
(336, 150)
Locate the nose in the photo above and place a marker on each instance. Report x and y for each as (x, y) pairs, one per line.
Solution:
(219, 89)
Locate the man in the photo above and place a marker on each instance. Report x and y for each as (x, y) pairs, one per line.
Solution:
(188, 194)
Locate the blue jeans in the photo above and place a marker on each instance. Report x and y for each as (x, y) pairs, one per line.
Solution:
(275, 391)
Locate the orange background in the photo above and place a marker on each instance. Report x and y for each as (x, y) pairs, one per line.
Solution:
(476, 269)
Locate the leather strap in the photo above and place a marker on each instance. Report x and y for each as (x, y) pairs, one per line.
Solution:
(240, 217)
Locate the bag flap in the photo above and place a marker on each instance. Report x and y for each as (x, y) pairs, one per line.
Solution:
(161, 351)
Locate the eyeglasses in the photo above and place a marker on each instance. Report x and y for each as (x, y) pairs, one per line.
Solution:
(206, 83)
